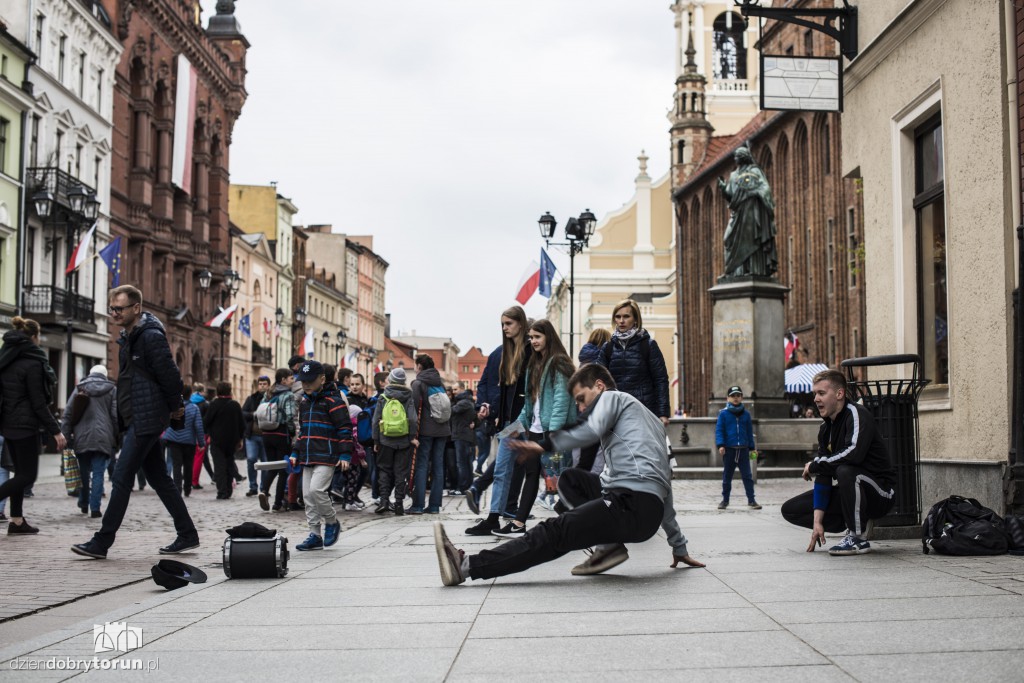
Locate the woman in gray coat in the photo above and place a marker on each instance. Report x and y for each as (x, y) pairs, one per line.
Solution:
(94, 436)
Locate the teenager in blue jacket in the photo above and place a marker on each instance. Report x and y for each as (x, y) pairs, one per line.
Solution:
(734, 436)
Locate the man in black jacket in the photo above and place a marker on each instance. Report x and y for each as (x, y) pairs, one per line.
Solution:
(851, 452)
(226, 427)
(149, 392)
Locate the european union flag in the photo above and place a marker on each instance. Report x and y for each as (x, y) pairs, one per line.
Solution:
(547, 273)
(245, 326)
(111, 255)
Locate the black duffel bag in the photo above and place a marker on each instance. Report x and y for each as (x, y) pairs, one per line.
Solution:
(963, 526)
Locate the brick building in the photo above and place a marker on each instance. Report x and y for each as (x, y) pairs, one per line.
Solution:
(172, 211)
(818, 214)
(471, 367)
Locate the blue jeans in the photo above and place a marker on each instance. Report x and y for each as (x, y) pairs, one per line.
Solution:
(430, 453)
(483, 448)
(464, 463)
(504, 462)
(142, 453)
(254, 452)
(96, 463)
(4, 476)
(732, 458)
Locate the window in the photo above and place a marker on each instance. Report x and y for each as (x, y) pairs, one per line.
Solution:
(808, 43)
(60, 58)
(60, 148)
(96, 162)
(465, 368)
(78, 161)
(99, 89)
(3, 66)
(789, 267)
(851, 246)
(832, 360)
(476, 368)
(856, 343)
(730, 47)
(932, 292)
(33, 149)
(810, 273)
(830, 272)
(826, 147)
(39, 36)
(4, 125)
(81, 74)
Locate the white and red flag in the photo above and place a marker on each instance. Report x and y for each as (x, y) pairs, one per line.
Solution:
(184, 125)
(792, 344)
(80, 253)
(528, 283)
(222, 317)
(306, 347)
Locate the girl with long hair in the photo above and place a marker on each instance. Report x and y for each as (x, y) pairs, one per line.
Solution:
(548, 407)
(28, 383)
(510, 392)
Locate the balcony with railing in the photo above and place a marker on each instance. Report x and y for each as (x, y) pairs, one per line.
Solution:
(52, 305)
(55, 181)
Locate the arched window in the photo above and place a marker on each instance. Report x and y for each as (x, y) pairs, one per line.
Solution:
(730, 61)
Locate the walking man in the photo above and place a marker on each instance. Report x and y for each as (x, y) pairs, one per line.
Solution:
(850, 452)
(149, 392)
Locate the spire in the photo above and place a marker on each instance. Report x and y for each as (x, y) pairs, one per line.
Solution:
(643, 166)
(691, 65)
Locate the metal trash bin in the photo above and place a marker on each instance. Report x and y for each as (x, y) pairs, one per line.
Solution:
(893, 403)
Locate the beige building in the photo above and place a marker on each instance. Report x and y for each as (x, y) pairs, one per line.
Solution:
(930, 119)
(629, 256)
(260, 209)
(442, 349)
(251, 355)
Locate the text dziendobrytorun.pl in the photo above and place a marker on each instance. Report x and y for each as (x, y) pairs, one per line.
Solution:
(82, 664)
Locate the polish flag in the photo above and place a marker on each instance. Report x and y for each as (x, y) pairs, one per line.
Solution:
(792, 344)
(81, 251)
(528, 283)
(222, 317)
(306, 347)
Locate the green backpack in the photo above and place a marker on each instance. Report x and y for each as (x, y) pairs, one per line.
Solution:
(393, 421)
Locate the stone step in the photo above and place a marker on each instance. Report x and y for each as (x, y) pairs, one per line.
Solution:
(716, 472)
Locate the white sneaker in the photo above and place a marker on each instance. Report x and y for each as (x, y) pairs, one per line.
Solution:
(352, 507)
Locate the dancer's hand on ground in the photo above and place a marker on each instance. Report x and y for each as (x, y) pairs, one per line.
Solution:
(687, 560)
(817, 538)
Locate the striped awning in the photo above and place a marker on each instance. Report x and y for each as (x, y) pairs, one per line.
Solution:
(798, 379)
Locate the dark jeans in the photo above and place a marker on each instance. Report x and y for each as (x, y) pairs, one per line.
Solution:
(223, 468)
(92, 464)
(451, 466)
(858, 497)
(464, 461)
(588, 454)
(25, 453)
(596, 518)
(371, 464)
(182, 456)
(277, 448)
(142, 453)
(531, 484)
(732, 458)
(393, 471)
(429, 456)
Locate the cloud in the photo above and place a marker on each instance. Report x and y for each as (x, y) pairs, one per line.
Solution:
(446, 128)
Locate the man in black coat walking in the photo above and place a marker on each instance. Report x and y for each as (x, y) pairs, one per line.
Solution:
(149, 392)
(226, 427)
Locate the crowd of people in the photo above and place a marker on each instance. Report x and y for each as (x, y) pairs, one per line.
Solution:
(586, 441)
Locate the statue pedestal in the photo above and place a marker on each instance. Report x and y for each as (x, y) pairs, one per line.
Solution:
(747, 346)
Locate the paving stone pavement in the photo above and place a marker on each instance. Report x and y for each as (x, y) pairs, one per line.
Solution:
(372, 608)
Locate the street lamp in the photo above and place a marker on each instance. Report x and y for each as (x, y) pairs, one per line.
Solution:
(300, 316)
(279, 316)
(326, 337)
(43, 200)
(340, 345)
(229, 285)
(92, 206)
(578, 231)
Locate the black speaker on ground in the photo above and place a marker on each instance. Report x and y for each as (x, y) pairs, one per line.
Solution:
(256, 558)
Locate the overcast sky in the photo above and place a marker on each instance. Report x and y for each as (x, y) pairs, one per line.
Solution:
(446, 128)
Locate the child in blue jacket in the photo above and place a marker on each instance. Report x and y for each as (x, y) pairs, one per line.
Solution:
(734, 436)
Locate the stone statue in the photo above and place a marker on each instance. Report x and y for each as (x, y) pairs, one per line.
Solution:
(750, 236)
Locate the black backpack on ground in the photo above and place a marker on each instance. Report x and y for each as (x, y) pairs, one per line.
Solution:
(963, 526)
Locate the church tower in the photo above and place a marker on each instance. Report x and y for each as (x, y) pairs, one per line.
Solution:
(691, 130)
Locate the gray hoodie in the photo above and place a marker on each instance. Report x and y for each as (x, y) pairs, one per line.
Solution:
(635, 457)
(97, 430)
(403, 394)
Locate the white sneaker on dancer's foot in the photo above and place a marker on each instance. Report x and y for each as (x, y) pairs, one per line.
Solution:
(449, 558)
(602, 558)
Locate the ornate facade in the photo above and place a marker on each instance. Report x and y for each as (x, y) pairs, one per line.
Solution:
(173, 232)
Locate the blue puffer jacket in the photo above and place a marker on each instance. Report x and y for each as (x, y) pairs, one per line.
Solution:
(589, 353)
(557, 409)
(642, 376)
(734, 429)
(192, 432)
(148, 382)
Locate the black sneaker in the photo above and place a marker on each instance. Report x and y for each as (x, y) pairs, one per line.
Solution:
(482, 528)
(510, 530)
(473, 500)
(23, 528)
(383, 506)
(724, 504)
(753, 505)
(251, 493)
(180, 545)
(96, 514)
(89, 549)
(265, 501)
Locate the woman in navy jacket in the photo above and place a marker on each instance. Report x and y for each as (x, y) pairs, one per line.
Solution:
(635, 361)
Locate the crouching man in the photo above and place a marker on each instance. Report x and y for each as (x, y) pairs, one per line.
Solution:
(626, 504)
(851, 453)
